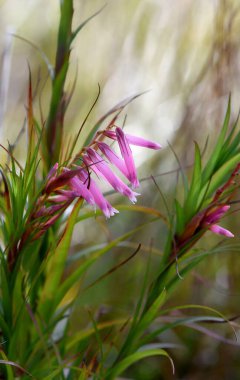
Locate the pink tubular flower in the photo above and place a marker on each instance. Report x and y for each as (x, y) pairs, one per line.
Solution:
(113, 158)
(52, 173)
(217, 214)
(48, 211)
(127, 156)
(63, 196)
(220, 230)
(81, 190)
(100, 167)
(61, 180)
(213, 217)
(134, 140)
(99, 199)
(139, 141)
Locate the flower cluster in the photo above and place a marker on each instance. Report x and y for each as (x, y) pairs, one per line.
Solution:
(63, 185)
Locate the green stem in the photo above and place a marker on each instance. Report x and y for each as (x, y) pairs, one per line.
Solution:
(55, 120)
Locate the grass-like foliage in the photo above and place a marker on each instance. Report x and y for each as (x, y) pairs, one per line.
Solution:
(42, 201)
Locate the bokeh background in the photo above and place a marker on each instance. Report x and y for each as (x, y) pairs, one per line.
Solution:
(186, 54)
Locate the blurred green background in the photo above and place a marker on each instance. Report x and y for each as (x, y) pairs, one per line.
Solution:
(186, 53)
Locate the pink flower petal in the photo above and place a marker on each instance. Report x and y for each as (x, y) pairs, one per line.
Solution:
(99, 199)
(113, 158)
(220, 230)
(61, 180)
(127, 156)
(134, 140)
(48, 211)
(217, 214)
(63, 196)
(139, 141)
(100, 167)
(81, 190)
(52, 171)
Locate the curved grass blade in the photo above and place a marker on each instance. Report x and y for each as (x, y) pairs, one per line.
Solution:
(77, 30)
(41, 52)
(10, 364)
(134, 358)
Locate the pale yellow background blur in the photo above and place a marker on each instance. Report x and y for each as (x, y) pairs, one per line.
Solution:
(186, 52)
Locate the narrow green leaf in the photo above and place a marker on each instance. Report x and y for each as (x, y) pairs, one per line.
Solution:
(212, 162)
(41, 53)
(6, 297)
(134, 358)
(4, 328)
(180, 321)
(138, 328)
(76, 31)
(57, 264)
(151, 313)
(180, 218)
(76, 275)
(191, 201)
(10, 365)
(219, 177)
(231, 144)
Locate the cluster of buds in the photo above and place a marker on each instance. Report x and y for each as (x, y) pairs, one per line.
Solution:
(63, 185)
(212, 216)
(206, 219)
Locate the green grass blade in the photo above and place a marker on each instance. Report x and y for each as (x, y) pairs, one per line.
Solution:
(190, 204)
(151, 313)
(216, 154)
(76, 275)
(57, 264)
(219, 177)
(134, 358)
(81, 26)
(180, 218)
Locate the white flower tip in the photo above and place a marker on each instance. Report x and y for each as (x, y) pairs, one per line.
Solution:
(133, 196)
(114, 211)
(109, 211)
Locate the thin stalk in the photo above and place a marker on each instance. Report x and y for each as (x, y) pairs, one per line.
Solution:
(55, 120)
